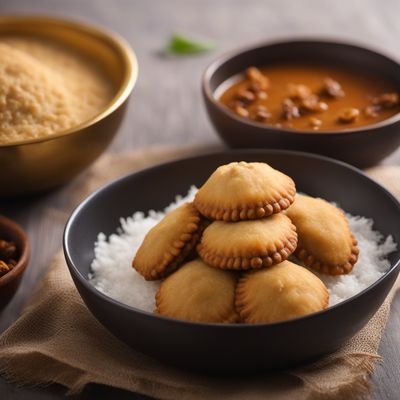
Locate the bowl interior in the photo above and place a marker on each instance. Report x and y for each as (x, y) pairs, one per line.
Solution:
(355, 58)
(109, 51)
(345, 55)
(156, 187)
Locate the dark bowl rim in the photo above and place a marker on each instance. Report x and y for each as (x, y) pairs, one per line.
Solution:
(25, 251)
(101, 34)
(225, 57)
(89, 286)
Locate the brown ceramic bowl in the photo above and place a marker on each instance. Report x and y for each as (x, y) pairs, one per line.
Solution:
(364, 146)
(11, 231)
(38, 164)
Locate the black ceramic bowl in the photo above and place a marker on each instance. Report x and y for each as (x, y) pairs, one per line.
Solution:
(218, 347)
(362, 146)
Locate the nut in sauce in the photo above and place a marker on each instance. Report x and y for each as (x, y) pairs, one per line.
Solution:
(348, 115)
(245, 96)
(332, 88)
(290, 110)
(312, 104)
(8, 255)
(311, 97)
(258, 80)
(262, 114)
(314, 122)
(386, 100)
(299, 92)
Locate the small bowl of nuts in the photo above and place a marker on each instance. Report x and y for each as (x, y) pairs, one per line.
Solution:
(337, 99)
(14, 258)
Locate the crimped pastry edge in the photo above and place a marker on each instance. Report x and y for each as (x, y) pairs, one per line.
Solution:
(179, 250)
(256, 210)
(240, 301)
(324, 268)
(245, 263)
(311, 262)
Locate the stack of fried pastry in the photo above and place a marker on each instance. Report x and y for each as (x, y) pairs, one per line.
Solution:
(244, 223)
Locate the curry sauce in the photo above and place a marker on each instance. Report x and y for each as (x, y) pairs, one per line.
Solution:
(311, 97)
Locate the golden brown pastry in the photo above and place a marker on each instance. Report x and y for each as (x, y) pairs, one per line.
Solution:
(248, 244)
(326, 242)
(242, 191)
(168, 243)
(198, 292)
(279, 293)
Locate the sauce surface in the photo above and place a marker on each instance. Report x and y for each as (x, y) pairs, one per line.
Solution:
(362, 99)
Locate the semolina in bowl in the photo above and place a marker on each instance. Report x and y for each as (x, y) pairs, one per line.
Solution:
(64, 88)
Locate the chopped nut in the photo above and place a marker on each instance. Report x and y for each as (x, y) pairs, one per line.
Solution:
(241, 111)
(372, 111)
(348, 115)
(261, 95)
(386, 100)
(7, 249)
(262, 114)
(332, 88)
(322, 106)
(254, 87)
(257, 78)
(312, 104)
(289, 110)
(309, 103)
(4, 268)
(245, 96)
(298, 91)
(234, 103)
(314, 122)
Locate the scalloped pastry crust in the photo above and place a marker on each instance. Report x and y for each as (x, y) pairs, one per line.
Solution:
(248, 244)
(325, 241)
(279, 293)
(243, 191)
(168, 243)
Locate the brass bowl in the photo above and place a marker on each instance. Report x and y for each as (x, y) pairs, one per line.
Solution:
(38, 164)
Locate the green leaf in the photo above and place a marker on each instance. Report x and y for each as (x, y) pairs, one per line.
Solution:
(181, 45)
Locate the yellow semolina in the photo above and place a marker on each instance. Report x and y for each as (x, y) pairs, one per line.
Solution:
(47, 87)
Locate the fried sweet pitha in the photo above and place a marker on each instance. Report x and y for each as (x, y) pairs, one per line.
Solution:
(279, 293)
(326, 242)
(168, 243)
(248, 244)
(198, 292)
(242, 191)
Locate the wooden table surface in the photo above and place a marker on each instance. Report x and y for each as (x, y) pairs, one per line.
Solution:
(167, 109)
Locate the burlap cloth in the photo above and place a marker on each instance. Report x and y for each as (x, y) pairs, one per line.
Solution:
(58, 340)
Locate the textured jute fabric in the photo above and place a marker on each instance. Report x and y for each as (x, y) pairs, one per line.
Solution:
(58, 340)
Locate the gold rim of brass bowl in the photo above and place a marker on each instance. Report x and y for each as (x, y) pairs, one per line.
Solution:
(18, 24)
(37, 171)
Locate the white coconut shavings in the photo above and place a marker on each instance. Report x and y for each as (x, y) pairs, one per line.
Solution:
(113, 275)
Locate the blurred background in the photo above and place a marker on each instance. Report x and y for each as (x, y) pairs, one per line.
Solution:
(167, 108)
